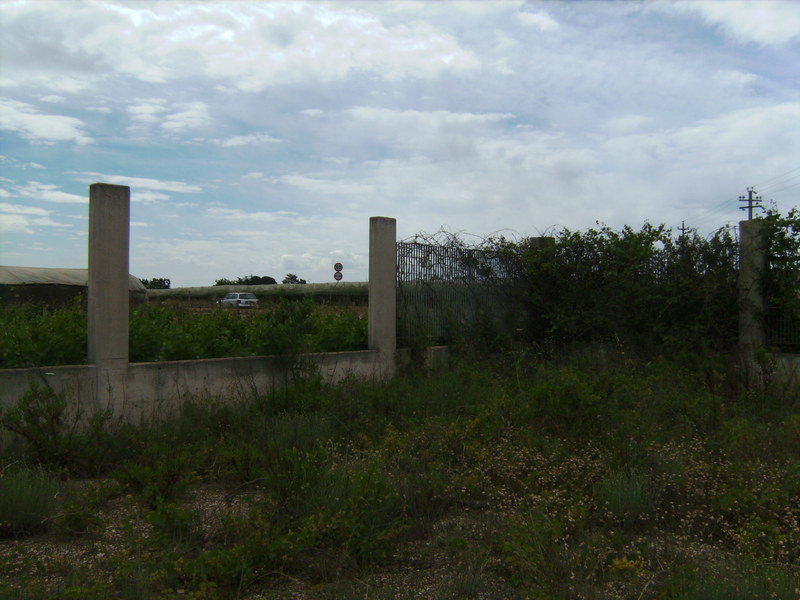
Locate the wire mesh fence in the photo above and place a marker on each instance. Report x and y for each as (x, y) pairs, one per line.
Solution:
(782, 329)
(446, 288)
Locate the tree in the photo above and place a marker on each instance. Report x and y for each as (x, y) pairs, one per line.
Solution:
(248, 280)
(156, 283)
(292, 278)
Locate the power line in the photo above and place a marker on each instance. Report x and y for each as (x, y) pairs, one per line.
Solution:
(776, 177)
(780, 183)
(783, 189)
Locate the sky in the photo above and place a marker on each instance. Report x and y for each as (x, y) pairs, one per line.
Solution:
(258, 137)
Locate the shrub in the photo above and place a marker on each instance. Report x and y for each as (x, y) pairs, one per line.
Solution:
(162, 473)
(627, 494)
(39, 417)
(27, 500)
(38, 335)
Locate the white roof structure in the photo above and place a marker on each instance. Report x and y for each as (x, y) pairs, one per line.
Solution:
(43, 276)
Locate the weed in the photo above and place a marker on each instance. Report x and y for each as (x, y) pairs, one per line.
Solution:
(27, 500)
(173, 525)
(627, 494)
(161, 474)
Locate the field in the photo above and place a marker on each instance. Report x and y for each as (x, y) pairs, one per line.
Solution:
(524, 476)
(172, 330)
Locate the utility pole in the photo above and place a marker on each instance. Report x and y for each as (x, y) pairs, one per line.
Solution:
(752, 202)
(683, 229)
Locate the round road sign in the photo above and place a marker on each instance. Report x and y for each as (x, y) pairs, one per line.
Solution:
(337, 276)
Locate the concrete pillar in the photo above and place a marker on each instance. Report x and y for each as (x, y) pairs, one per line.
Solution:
(752, 268)
(383, 290)
(109, 240)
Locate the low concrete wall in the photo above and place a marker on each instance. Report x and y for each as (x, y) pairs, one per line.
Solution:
(787, 370)
(145, 391)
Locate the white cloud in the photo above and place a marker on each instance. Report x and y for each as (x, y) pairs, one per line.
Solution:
(252, 45)
(141, 183)
(627, 124)
(248, 140)
(147, 110)
(193, 115)
(148, 196)
(735, 79)
(15, 223)
(235, 214)
(49, 193)
(23, 119)
(18, 209)
(541, 20)
(767, 22)
(15, 218)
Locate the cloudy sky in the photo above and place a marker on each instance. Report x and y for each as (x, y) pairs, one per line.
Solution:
(259, 137)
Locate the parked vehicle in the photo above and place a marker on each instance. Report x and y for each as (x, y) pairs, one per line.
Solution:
(238, 300)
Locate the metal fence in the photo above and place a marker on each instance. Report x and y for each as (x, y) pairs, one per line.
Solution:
(782, 329)
(449, 290)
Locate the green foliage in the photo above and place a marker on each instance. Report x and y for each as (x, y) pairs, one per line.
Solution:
(173, 524)
(39, 417)
(57, 435)
(247, 280)
(641, 288)
(78, 511)
(160, 474)
(292, 278)
(36, 335)
(160, 332)
(27, 500)
(627, 494)
(782, 241)
(737, 582)
(156, 283)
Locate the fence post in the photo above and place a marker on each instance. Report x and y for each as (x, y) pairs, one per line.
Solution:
(752, 268)
(383, 291)
(108, 298)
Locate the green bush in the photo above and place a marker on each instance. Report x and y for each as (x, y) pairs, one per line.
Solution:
(40, 418)
(161, 473)
(42, 336)
(27, 500)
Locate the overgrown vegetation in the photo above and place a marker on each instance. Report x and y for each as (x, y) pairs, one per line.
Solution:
(595, 477)
(247, 280)
(644, 290)
(648, 289)
(156, 283)
(37, 336)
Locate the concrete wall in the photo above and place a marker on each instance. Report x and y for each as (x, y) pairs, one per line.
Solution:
(152, 390)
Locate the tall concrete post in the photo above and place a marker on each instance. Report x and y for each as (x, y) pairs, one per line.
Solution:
(109, 241)
(752, 268)
(383, 290)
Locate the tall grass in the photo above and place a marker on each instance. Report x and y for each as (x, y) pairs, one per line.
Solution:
(27, 500)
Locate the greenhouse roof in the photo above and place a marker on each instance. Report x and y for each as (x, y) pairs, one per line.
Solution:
(44, 276)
